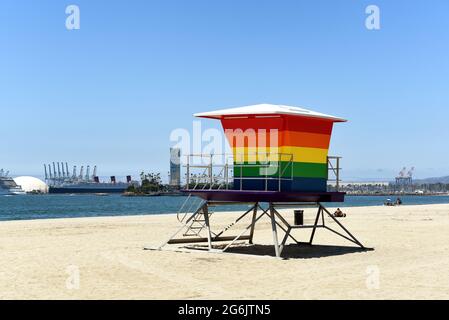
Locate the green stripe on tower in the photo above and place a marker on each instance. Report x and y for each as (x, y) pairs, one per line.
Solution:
(288, 169)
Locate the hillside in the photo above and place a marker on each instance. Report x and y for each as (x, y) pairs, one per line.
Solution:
(433, 180)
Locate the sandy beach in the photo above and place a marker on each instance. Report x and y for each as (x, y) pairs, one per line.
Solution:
(44, 259)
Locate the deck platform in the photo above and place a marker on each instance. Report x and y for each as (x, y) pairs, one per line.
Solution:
(266, 196)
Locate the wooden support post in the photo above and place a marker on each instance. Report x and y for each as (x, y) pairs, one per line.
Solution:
(287, 234)
(275, 234)
(253, 223)
(206, 220)
(320, 209)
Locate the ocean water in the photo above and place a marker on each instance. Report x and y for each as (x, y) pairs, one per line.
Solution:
(69, 206)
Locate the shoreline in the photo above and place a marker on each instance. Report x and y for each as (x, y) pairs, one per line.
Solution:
(38, 258)
(397, 194)
(332, 206)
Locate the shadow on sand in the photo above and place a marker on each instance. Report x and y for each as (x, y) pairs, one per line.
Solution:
(294, 251)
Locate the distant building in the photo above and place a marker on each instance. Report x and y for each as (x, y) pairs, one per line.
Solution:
(365, 183)
(31, 184)
(175, 167)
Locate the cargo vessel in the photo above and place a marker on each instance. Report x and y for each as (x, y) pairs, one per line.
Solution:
(60, 180)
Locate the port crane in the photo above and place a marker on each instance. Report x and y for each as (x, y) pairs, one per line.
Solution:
(404, 180)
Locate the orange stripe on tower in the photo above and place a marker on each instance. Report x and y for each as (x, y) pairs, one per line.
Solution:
(270, 138)
(305, 139)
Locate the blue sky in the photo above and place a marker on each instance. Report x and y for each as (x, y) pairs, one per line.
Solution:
(111, 93)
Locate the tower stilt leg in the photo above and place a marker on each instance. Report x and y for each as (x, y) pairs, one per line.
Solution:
(206, 221)
(320, 211)
(275, 234)
(251, 234)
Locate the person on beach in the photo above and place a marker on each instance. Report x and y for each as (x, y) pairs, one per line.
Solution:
(339, 214)
(398, 201)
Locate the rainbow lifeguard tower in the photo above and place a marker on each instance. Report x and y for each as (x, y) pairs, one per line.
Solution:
(279, 158)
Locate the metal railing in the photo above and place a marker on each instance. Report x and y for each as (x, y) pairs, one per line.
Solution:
(333, 167)
(226, 170)
(221, 175)
(277, 176)
(208, 177)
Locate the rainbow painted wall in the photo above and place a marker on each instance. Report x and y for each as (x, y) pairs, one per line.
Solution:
(294, 148)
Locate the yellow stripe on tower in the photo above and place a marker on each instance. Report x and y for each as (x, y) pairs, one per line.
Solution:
(286, 153)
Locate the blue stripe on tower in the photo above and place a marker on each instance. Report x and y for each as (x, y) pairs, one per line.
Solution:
(297, 184)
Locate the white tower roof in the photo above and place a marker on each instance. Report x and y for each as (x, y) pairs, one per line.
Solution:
(265, 109)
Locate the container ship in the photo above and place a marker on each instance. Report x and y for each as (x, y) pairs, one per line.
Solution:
(59, 180)
(8, 186)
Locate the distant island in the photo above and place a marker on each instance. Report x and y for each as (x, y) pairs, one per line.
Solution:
(431, 186)
(151, 185)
